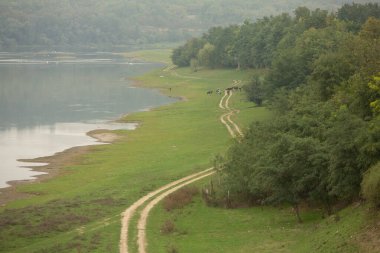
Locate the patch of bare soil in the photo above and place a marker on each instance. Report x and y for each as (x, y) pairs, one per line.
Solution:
(103, 135)
(369, 239)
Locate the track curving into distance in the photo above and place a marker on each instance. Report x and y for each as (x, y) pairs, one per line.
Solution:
(154, 197)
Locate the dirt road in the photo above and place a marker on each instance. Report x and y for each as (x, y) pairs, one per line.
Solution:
(156, 196)
(235, 131)
(128, 213)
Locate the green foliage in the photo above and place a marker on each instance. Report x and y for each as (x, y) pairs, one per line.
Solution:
(371, 185)
(329, 71)
(321, 86)
(318, 84)
(205, 55)
(113, 24)
(347, 161)
(375, 86)
(255, 90)
(357, 14)
(183, 55)
(312, 152)
(293, 169)
(222, 40)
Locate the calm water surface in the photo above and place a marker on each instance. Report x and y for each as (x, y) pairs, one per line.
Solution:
(48, 102)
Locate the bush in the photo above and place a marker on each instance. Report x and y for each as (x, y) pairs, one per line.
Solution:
(371, 185)
(172, 249)
(168, 227)
(180, 198)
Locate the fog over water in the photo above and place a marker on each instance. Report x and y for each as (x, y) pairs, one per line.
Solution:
(49, 101)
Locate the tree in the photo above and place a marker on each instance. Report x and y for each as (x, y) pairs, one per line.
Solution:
(345, 138)
(330, 70)
(194, 64)
(182, 55)
(293, 170)
(375, 86)
(357, 14)
(205, 56)
(355, 92)
(255, 90)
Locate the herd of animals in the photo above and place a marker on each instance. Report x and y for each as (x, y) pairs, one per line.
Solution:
(228, 90)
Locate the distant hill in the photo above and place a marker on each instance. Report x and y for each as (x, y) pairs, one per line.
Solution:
(97, 24)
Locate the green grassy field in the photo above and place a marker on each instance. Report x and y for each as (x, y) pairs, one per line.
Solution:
(199, 228)
(79, 211)
(71, 212)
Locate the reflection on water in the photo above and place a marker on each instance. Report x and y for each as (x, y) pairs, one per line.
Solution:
(40, 141)
(46, 108)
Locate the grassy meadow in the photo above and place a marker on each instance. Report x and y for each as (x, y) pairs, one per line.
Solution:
(79, 211)
(199, 228)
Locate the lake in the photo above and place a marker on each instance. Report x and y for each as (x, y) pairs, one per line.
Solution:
(49, 101)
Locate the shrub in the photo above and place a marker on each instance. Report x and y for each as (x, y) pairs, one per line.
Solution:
(371, 185)
(172, 249)
(167, 227)
(180, 198)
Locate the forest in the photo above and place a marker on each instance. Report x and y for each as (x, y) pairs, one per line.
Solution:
(321, 81)
(106, 25)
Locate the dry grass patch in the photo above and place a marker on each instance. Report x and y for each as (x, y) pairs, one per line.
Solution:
(180, 198)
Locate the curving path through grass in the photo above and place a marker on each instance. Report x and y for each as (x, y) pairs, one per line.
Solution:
(156, 196)
(129, 212)
(234, 130)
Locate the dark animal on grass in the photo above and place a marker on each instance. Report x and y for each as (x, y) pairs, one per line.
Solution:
(229, 89)
(209, 92)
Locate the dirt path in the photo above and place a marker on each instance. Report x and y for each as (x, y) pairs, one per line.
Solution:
(228, 115)
(141, 226)
(169, 188)
(128, 213)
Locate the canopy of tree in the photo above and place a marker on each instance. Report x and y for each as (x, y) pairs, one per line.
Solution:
(323, 88)
(61, 24)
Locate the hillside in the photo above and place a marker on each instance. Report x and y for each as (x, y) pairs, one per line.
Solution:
(84, 24)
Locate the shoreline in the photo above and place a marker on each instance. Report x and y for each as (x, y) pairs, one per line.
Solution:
(55, 164)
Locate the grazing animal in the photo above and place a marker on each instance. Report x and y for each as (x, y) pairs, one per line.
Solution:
(209, 92)
(218, 91)
(229, 89)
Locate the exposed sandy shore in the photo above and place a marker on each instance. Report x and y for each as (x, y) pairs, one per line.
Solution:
(54, 166)
(68, 157)
(104, 135)
(63, 159)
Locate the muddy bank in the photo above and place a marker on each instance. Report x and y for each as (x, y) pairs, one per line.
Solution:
(54, 165)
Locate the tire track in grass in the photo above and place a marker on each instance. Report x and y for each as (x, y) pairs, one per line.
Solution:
(129, 212)
(227, 116)
(141, 226)
(169, 188)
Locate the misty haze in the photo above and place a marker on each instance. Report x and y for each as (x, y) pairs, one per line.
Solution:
(204, 126)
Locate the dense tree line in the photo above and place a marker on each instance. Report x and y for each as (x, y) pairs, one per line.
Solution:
(60, 24)
(323, 88)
